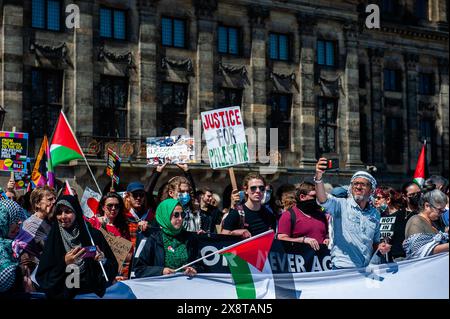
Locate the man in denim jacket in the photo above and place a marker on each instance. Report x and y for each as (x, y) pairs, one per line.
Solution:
(356, 223)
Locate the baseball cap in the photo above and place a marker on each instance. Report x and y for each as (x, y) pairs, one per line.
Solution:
(135, 186)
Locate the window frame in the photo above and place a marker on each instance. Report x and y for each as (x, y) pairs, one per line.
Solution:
(397, 80)
(238, 39)
(161, 106)
(112, 80)
(421, 15)
(228, 89)
(335, 53)
(392, 141)
(45, 74)
(113, 10)
(185, 33)
(61, 17)
(288, 47)
(288, 122)
(325, 100)
(422, 76)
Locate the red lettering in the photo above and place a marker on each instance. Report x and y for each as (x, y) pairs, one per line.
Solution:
(206, 122)
(237, 115)
(231, 115)
(216, 121)
(222, 113)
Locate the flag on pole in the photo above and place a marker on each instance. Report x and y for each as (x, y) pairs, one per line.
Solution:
(421, 167)
(67, 189)
(42, 173)
(64, 146)
(249, 260)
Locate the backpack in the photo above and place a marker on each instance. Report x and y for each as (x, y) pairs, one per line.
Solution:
(293, 221)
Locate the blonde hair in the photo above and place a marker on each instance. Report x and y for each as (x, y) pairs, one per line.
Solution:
(38, 194)
(288, 200)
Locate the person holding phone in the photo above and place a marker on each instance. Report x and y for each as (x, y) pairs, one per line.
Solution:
(66, 253)
(356, 223)
(169, 246)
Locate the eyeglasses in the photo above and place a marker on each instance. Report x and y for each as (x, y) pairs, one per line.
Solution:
(362, 184)
(109, 206)
(440, 210)
(137, 194)
(261, 188)
(379, 197)
(178, 215)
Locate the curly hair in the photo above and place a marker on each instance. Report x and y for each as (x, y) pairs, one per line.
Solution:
(174, 185)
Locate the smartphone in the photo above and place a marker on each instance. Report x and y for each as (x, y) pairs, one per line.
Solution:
(332, 164)
(89, 252)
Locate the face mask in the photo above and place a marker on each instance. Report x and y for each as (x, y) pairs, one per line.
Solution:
(184, 198)
(383, 207)
(266, 198)
(414, 201)
(308, 206)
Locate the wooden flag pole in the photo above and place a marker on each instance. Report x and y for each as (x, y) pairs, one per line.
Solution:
(233, 178)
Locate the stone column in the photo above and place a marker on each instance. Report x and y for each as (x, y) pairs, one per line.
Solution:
(81, 112)
(376, 96)
(413, 128)
(12, 64)
(147, 69)
(305, 134)
(351, 152)
(204, 80)
(443, 107)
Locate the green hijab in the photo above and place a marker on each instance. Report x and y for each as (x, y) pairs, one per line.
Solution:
(163, 216)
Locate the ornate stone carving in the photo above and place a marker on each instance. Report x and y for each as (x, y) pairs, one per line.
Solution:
(51, 52)
(411, 60)
(257, 15)
(104, 54)
(205, 8)
(231, 69)
(351, 31)
(283, 82)
(146, 4)
(185, 65)
(331, 87)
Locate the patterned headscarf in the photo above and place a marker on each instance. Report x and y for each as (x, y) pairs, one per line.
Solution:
(164, 214)
(10, 213)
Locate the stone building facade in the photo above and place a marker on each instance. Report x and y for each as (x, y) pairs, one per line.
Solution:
(136, 69)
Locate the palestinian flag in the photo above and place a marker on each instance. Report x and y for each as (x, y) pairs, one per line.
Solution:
(64, 146)
(421, 167)
(251, 272)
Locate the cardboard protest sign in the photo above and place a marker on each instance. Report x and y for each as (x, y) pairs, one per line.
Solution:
(14, 151)
(119, 246)
(170, 149)
(90, 202)
(225, 137)
(113, 165)
(21, 180)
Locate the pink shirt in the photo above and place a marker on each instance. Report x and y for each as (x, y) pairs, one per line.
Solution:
(314, 226)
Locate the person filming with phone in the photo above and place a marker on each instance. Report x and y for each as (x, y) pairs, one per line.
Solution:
(68, 252)
(356, 224)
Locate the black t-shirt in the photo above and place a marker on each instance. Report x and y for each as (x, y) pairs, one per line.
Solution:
(394, 226)
(213, 217)
(256, 222)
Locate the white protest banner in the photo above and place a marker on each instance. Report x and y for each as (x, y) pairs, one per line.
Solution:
(170, 149)
(89, 202)
(119, 246)
(225, 137)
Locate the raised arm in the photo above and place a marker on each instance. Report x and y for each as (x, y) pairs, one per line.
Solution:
(321, 194)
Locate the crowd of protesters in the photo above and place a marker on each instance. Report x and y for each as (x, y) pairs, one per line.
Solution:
(43, 234)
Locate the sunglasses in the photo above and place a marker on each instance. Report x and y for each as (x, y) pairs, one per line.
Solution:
(138, 194)
(254, 188)
(177, 215)
(113, 205)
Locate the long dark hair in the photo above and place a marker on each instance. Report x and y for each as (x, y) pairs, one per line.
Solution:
(121, 221)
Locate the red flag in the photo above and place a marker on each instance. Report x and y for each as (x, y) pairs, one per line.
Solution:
(420, 172)
(67, 189)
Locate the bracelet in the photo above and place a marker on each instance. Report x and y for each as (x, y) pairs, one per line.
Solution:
(317, 181)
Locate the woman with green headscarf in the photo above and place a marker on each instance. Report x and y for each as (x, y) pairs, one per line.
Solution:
(168, 248)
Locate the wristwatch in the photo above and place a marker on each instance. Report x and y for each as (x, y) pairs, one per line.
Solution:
(317, 180)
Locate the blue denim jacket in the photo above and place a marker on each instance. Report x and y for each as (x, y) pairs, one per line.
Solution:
(355, 231)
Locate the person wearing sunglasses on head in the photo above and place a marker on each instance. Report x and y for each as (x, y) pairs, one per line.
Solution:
(356, 223)
(168, 248)
(422, 238)
(111, 217)
(252, 218)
